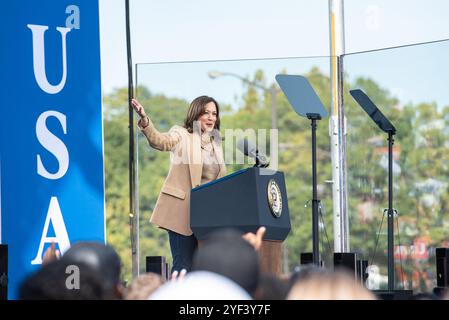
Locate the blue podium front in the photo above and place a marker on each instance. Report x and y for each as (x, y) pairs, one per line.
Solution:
(244, 200)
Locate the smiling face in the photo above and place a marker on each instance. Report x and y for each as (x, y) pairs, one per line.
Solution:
(209, 117)
(203, 114)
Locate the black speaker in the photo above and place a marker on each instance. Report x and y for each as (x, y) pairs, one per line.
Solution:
(346, 260)
(442, 261)
(157, 264)
(440, 291)
(306, 258)
(3, 272)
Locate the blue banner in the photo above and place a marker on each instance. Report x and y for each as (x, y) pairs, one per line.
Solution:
(51, 154)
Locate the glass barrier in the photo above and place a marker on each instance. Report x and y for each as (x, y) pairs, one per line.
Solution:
(247, 93)
(174, 30)
(409, 85)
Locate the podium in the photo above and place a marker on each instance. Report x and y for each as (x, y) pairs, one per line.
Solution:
(245, 200)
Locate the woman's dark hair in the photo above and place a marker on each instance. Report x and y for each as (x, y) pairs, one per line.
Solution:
(197, 109)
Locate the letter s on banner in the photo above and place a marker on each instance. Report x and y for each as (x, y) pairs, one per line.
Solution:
(53, 144)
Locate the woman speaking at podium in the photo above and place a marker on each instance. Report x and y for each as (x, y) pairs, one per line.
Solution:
(196, 158)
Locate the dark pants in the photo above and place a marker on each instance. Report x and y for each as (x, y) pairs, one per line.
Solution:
(182, 250)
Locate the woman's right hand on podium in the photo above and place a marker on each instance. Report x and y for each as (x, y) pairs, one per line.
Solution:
(178, 276)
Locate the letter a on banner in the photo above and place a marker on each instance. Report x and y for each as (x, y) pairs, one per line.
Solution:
(54, 216)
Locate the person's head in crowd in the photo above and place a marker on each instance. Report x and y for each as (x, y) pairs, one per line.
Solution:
(271, 288)
(329, 285)
(143, 286)
(101, 258)
(303, 272)
(225, 252)
(58, 280)
(200, 285)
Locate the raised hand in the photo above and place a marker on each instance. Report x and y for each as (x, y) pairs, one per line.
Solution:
(138, 108)
(178, 276)
(255, 239)
(51, 254)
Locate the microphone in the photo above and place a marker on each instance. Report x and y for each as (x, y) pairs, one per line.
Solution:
(249, 148)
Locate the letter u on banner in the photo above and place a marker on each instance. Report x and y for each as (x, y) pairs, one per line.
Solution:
(39, 58)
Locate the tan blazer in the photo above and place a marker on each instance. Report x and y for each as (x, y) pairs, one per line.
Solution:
(172, 210)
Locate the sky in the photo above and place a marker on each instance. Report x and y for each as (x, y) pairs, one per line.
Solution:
(263, 30)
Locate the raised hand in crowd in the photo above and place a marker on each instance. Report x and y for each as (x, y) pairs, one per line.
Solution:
(255, 239)
(51, 254)
(178, 276)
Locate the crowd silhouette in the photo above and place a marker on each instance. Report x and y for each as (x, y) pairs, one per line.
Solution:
(226, 266)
